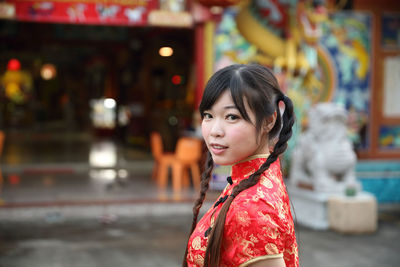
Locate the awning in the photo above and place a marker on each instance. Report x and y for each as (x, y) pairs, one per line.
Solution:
(108, 12)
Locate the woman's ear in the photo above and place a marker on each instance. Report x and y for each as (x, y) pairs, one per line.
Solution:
(269, 123)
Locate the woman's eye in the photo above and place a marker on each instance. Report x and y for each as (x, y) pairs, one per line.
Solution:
(232, 117)
(207, 116)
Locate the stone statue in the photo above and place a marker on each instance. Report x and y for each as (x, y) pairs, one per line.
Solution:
(324, 158)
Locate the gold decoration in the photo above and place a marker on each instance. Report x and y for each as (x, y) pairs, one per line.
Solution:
(243, 218)
(266, 182)
(196, 243)
(271, 249)
(199, 260)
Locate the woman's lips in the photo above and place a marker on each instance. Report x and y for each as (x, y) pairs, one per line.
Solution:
(217, 148)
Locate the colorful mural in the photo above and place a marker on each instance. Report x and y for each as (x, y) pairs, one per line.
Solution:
(339, 70)
(389, 137)
(337, 56)
(230, 46)
(347, 39)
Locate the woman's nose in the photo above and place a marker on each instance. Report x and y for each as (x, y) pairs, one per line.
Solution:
(217, 129)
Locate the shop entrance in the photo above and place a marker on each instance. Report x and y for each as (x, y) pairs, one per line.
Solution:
(91, 64)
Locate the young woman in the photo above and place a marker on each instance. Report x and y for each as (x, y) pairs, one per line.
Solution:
(251, 223)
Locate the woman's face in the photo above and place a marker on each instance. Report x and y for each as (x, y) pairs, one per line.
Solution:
(229, 137)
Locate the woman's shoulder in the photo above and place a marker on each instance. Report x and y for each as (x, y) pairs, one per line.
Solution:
(266, 202)
(256, 210)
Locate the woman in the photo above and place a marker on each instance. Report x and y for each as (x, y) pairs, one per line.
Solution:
(251, 223)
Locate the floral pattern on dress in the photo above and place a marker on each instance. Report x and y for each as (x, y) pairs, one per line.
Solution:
(258, 224)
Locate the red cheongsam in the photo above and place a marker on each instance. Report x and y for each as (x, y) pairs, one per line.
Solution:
(259, 224)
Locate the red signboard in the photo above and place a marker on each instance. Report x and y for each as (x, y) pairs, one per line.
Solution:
(117, 12)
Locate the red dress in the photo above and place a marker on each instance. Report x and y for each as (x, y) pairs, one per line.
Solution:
(259, 223)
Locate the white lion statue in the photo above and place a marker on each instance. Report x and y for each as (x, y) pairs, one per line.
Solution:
(323, 158)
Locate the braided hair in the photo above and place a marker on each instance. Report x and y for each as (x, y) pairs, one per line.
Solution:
(257, 85)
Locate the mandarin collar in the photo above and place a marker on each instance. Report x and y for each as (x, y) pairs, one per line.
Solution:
(244, 168)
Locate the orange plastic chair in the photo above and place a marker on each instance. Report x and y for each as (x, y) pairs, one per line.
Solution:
(157, 150)
(187, 156)
(2, 137)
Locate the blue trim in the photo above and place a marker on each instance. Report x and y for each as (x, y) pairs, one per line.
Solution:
(377, 165)
(385, 190)
(381, 178)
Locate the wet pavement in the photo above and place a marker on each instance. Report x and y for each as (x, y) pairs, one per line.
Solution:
(160, 241)
(57, 149)
(58, 169)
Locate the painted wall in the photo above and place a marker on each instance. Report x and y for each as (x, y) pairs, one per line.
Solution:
(345, 58)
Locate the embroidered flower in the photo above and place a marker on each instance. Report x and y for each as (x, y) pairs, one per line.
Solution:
(266, 182)
(271, 249)
(243, 218)
(196, 243)
(253, 238)
(199, 260)
(247, 247)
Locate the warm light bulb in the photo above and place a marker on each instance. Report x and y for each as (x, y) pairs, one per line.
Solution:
(48, 71)
(166, 51)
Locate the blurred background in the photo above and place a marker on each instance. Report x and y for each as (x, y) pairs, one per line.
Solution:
(97, 98)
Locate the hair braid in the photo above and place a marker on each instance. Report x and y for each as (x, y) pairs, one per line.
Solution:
(287, 124)
(213, 251)
(205, 182)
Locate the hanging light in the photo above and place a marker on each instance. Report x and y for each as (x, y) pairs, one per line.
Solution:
(48, 71)
(13, 64)
(166, 51)
(176, 79)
